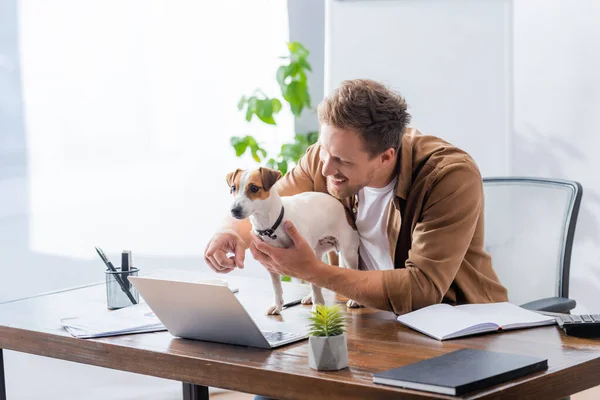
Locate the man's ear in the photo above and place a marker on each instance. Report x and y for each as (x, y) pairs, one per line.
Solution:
(388, 156)
(231, 176)
(268, 177)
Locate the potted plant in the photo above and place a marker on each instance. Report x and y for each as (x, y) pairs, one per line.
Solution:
(327, 347)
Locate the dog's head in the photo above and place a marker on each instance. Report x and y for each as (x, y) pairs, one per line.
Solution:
(250, 189)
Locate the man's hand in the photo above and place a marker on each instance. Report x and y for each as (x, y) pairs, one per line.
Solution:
(219, 246)
(298, 260)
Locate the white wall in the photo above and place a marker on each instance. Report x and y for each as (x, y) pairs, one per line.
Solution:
(307, 25)
(447, 58)
(556, 120)
(515, 83)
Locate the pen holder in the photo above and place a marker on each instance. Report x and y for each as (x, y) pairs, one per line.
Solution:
(119, 291)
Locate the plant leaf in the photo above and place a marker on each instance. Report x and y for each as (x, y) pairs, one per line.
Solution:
(251, 108)
(326, 321)
(276, 104)
(282, 166)
(281, 75)
(241, 103)
(305, 64)
(312, 137)
(296, 93)
(271, 163)
(264, 111)
(251, 141)
(240, 145)
(297, 50)
(295, 70)
(254, 151)
(296, 109)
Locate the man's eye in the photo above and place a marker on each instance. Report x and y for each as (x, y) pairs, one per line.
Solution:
(254, 189)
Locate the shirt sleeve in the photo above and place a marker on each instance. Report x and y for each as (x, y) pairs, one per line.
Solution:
(440, 240)
(301, 177)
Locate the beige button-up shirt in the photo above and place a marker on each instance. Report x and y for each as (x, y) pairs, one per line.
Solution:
(435, 224)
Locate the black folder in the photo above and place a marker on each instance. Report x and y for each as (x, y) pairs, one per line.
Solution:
(461, 371)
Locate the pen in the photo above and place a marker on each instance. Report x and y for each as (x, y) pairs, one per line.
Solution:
(117, 277)
(126, 263)
(292, 303)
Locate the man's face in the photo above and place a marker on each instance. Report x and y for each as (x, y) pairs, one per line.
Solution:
(346, 164)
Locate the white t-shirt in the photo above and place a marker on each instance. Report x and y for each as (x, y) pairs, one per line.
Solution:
(371, 222)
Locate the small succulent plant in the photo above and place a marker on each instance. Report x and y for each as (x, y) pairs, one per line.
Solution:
(327, 321)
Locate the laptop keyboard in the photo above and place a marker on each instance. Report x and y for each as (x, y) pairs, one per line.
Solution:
(274, 336)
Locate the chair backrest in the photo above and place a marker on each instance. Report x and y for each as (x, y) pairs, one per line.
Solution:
(529, 229)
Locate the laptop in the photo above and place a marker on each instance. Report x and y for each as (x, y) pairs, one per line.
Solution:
(207, 311)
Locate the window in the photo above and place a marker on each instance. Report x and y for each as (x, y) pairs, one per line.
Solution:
(128, 108)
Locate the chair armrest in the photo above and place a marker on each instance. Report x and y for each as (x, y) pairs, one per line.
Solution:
(552, 304)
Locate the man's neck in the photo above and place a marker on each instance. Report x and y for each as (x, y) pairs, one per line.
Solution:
(385, 175)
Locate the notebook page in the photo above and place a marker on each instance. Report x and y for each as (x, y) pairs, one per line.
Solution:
(442, 320)
(505, 314)
(130, 318)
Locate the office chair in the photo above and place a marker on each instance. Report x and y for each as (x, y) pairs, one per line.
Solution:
(529, 229)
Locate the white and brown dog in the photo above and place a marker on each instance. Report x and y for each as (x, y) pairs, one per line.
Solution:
(319, 217)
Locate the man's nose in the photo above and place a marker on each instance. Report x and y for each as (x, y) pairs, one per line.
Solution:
(328, 169)
(236, 211)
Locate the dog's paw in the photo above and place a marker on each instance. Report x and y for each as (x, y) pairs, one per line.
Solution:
(307, 299)
(274, 309)
(353, 304)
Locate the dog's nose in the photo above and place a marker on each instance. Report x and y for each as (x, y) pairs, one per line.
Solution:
(236, 212)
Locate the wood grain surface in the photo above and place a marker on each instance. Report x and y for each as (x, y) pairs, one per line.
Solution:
(376, 342)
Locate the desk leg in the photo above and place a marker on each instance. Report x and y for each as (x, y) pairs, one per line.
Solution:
(190, 392)
(2, 382)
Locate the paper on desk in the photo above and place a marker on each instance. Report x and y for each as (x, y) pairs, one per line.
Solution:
(133, 319)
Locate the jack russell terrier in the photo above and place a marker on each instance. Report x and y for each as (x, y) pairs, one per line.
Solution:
(319, 217)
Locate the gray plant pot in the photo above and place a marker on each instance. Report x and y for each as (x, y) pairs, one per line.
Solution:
(327, 353)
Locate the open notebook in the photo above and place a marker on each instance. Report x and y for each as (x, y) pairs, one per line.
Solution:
(443, 321)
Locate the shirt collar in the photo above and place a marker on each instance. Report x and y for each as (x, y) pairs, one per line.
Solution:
(405, 163)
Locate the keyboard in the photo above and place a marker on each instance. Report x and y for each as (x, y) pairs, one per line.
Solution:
(275, 336)
(584, 325)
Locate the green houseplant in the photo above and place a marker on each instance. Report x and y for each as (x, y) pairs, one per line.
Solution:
(327, 346)
(293, 84)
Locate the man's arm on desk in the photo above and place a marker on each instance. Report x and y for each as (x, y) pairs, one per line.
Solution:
(440, 241)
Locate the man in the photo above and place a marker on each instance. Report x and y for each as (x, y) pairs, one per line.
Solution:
(416, 201)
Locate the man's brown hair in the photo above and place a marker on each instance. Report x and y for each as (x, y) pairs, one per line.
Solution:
(375, 112)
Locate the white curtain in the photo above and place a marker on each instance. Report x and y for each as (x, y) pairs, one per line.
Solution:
(129, 107)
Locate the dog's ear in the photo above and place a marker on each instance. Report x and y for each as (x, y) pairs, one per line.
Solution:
(268, 177)
(231, 176)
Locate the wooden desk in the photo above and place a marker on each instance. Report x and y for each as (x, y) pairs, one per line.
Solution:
(375, 342)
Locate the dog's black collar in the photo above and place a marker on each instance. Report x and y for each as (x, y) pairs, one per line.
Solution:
(271, 232)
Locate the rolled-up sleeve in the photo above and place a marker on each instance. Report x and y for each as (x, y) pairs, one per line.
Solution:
(440, 240)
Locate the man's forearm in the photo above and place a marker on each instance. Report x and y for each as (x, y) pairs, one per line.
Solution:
(241, 227)
(365, 287)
